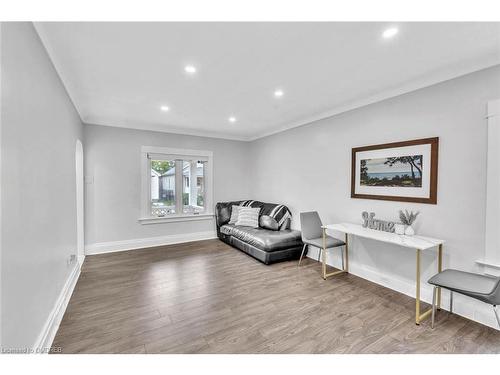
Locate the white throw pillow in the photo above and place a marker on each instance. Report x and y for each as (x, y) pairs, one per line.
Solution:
(234, 214)
(248, 217)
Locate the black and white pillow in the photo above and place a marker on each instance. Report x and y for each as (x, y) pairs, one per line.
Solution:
(279, 212)
(248, 217)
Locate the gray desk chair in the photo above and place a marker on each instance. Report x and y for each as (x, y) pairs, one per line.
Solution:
(312, 234)
(482, 287)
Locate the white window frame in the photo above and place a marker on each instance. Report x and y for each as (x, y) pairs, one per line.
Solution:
(185, 154)
(491, 261)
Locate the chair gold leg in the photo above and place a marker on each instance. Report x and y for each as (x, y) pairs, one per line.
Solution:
(324, 254)
(434, 293)
(302, 255)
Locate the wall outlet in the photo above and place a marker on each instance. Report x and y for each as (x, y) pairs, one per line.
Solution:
(71, 259)
(89, 180)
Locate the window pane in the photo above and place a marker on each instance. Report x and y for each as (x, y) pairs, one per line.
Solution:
(162, 187)
(193, 189)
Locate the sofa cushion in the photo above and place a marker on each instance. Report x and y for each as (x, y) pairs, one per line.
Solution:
(227, 229)
(264, 239)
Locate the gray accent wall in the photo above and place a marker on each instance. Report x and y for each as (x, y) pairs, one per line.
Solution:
(38, 232)
(309, 168)
(113, 181)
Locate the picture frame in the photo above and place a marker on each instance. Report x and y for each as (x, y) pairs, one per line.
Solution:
(399, 171)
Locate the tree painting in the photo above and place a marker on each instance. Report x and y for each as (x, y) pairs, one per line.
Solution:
(401, 171)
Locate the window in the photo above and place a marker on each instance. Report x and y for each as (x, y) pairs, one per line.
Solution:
(175, 183)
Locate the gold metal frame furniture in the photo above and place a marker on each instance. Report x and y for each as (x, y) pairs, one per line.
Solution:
(419, 243)
(345, 261)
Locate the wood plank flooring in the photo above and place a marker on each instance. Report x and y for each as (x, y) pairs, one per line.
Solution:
(207, 297)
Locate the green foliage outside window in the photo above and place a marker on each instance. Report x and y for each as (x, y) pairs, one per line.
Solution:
(162, 166)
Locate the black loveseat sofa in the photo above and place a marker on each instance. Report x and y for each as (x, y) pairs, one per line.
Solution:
(265, 244)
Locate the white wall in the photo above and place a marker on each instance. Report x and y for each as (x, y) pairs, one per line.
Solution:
(39, 130)
(113, 199)
(308, 168)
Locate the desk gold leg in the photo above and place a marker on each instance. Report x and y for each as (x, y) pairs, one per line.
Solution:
(440, 268)
(346, 252)
(324, 254)
(417, 294)
(419, 316)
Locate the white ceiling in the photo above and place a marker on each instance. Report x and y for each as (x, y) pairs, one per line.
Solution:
(119, 74)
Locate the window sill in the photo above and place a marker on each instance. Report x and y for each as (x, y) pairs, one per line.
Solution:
(488, 264)
(174, 218)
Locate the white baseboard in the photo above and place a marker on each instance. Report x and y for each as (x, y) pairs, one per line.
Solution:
(462, 305)
(81, 259)
(139, 243)
(51, 326)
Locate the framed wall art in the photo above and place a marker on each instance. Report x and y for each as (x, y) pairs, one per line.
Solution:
(400, 171)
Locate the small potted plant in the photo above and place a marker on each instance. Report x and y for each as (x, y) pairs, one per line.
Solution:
(407, 219)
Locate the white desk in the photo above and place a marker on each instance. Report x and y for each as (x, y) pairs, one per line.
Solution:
(419, 243)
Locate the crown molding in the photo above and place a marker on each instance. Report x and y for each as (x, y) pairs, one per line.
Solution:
(439, 76)
(162, 128)
(414, 85)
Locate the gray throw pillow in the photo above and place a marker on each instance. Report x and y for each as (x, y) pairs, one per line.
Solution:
(268, 222)
(248, 217)
(234, 214)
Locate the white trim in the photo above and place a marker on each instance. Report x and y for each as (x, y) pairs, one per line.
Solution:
(38, 26)
(415, 85)
(492, 217)
(49, 330)
(493, 108)
(488, 268)
(81, 259)
(175, 151)
(485, 263)
(140, 243)
(430, 80)
(161, 128)
(174, 218)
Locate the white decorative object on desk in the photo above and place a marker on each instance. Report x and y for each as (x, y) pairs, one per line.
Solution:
(409, 231)
(399, 228)
(369, 221)
(408, 218)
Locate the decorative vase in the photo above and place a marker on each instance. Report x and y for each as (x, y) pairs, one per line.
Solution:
(409, 231)
(399, 228)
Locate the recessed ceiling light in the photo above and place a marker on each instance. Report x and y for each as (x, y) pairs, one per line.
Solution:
(278, 93)
(390, 32)
(190, 69)
(232, 119)
(165, 108)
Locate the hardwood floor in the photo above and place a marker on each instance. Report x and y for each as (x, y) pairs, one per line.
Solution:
(206, 297)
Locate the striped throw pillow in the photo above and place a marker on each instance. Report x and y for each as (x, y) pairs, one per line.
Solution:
(234, 214)
(248, 217)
